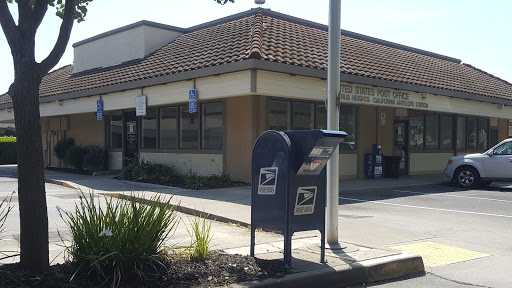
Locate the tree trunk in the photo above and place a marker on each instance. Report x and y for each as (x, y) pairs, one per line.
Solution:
(31, 190)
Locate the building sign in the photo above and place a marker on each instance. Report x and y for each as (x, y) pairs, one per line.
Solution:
(99, 109)
(140, 105)
(192, 101)
(359, 94)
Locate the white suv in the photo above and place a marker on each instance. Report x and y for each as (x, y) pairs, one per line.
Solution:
(482, 168)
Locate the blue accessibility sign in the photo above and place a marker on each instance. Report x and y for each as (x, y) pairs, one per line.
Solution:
(99, 110)
(192, 101)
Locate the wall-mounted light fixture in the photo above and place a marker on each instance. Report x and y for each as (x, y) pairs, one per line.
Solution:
(500, 106)
(59, 102)
(9, 110)
(424, 96)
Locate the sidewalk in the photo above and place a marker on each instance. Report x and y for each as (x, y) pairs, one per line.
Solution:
(353, 265)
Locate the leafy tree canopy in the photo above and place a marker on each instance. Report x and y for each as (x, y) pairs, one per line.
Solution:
(81, 7)
(222, 2)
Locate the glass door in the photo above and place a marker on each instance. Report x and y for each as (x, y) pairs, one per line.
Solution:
(400, 148)
(130, 146)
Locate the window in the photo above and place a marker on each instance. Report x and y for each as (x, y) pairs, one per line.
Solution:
(321, 117)
(483, 129)
(509, 128)
(116, 132)
(303, 116)
(432, 132)
(461, 133)
(348, 123)
(189, 129)
(149, 123)
(168, 130)
(213, 125)
(505, 149)
(446, 131)
(300, 115)
(279, 115)
(416, 127)
(472, 133)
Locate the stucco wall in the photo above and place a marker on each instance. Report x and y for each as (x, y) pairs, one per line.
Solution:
(86, 130)
(348, 166)
(239, 134)
(117, 48)
(428, 163)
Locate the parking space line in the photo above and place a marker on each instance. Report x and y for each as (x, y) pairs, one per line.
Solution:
(458, 196)
(427, 208)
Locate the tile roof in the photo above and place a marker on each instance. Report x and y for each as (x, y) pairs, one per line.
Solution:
(266, 36)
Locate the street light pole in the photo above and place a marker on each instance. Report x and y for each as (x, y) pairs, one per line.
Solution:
(333, 86)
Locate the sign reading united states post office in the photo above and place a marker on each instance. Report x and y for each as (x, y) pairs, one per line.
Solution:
(361, 94)
(267, 181)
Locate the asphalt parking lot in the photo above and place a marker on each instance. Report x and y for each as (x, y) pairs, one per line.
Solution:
(463, 235)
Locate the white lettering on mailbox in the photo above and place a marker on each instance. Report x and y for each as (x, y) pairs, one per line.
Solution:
(268, 180)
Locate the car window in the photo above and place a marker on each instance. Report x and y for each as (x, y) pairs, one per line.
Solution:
(505, 149)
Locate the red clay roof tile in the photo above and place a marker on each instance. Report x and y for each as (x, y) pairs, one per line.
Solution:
(270, 38)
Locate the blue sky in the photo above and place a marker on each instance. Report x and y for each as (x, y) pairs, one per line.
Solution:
(477, 32)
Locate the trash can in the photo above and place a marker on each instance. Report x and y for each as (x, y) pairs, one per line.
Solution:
(391, 166)
(288, 183)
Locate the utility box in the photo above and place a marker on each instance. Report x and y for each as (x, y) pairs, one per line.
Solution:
(289, 183)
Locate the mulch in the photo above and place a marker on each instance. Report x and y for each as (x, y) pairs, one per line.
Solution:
(218, 269)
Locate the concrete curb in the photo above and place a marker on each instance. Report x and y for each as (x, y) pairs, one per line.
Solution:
(182, 209)
(368, 271)
(61, 183)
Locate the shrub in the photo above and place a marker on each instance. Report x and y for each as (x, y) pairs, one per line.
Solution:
(201, 238)
(5, 208)
(147, 171)
(94, 159)
(193, 180)
(75, 157)
(223, 180)
(123, 238)
(62, 146)
(8, 150)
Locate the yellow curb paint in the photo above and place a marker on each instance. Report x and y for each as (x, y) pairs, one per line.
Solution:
(69, 185)
(435, 254)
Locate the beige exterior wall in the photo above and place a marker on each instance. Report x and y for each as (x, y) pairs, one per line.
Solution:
(120, 47)
(385, 134)
(94, 130)
(202, 164)
(367, 134)
(428, 163)
(348, 166)
(285, 85)
(504, 131)
(83, 128)
(240, 119)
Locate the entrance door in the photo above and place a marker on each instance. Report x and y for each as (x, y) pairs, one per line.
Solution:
(130, 138)
(401, 147)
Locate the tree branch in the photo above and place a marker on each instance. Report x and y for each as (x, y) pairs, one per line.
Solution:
(25, 16)
(39, 11)
(8, 25)
(62, 41)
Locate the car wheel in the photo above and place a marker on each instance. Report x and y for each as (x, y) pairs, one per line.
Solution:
(467, 177)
